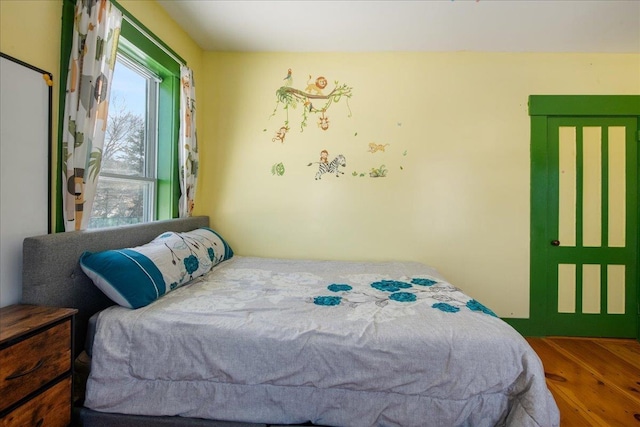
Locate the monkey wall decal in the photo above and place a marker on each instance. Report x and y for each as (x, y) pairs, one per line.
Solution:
(323, 122)
(324, 154)
(280, 134)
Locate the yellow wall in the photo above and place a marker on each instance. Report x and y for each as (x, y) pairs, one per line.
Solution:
(35, 40)
(30, 31)
(461, 201)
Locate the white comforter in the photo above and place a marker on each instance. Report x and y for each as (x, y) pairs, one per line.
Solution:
(334, 343)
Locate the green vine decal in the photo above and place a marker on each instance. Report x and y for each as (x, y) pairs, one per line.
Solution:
(289, 98)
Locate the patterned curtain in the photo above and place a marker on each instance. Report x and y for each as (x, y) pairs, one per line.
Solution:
(93, 56)
(188, 142)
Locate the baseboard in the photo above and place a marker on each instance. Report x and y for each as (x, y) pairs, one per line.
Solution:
(526, 327)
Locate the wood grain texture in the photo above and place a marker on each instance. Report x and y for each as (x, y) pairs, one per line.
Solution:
(32, 363)
(17, 320)
(35, 365)
(596, 382)
(50, 409)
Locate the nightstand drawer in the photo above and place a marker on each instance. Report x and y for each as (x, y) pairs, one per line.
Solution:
(49, 409)
(33, 362)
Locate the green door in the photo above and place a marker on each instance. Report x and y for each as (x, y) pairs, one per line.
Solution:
(591, 226)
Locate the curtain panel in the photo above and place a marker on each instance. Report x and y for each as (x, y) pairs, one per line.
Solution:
(96, 30)
(188, 145)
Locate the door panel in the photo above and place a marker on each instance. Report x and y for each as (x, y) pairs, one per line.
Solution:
(617, 188)
(592, 218)
(567, 185)
(592, 187)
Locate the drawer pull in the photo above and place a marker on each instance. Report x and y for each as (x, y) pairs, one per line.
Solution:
(22, 374)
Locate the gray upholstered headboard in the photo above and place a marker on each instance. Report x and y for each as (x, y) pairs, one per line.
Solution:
(51, 273)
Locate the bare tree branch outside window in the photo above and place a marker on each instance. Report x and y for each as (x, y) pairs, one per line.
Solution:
(119, 202)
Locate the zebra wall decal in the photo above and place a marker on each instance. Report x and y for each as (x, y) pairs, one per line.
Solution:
(331, 167)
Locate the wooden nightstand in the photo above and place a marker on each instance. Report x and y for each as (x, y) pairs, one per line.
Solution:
(36, 352)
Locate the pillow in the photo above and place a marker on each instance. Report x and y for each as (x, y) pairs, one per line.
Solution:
(135, 277)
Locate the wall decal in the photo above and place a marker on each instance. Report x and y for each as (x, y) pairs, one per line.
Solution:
(280, 134)
(329, 167)
(324, 156)
(289, 78)
(313, 92)
(323, 122)
(317, 86)
(380, 172)
(277, 169)
(373, 147)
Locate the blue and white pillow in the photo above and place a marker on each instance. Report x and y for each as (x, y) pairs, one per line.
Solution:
(135, 277)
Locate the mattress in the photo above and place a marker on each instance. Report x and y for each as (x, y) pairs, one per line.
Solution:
(332, 342)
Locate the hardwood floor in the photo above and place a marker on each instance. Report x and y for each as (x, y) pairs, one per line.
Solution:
(595, 381)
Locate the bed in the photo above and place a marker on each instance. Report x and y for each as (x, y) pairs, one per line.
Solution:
(261, 341)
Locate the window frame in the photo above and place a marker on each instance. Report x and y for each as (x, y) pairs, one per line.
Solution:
(147, 53)
(143, 47)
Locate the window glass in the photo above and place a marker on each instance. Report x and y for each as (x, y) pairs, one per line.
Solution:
(124, 147)
(127, 183)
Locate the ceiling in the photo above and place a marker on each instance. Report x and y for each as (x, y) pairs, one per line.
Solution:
(604, 26)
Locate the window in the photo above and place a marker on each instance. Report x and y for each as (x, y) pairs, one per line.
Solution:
(139, 180)
(127, 185)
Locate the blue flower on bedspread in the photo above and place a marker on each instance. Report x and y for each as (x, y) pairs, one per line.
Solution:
(211, 254)
(339, 287)
(445, 295)
(403, 296)
(390, 285)
(448, 308)
(423, 282)
(191, 263)
(476, 306)
(327, 300)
